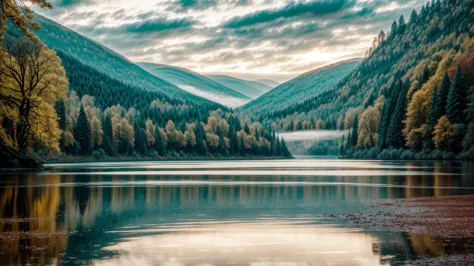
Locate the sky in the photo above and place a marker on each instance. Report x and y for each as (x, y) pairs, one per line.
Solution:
(253, 39)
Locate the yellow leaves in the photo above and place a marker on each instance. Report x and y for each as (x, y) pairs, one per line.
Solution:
(93, 115)
(122, 131)
(44, 126)
(369, 123)
(32, 80)
(150, 133)
(212, 140)
(189, 138)
(419, 106)
(443, 134)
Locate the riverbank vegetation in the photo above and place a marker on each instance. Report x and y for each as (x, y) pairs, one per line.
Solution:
(426, 109)
(411, 97)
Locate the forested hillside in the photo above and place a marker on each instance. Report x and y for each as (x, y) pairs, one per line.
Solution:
(252, 89)
(197, 84)
(103, 59)
(54, 106)
(297, 90)
(412, 96)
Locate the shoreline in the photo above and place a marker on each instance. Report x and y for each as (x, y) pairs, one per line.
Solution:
(135, 159)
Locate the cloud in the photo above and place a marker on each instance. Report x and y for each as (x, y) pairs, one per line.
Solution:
(294, 9)
(156, 25)
(274, 37)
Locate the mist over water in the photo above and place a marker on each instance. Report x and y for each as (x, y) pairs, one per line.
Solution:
(313, 135)
(314, 142)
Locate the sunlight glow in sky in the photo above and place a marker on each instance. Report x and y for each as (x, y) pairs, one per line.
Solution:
(246, 38)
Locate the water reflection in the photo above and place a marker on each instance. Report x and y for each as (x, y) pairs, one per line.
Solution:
(187, 220)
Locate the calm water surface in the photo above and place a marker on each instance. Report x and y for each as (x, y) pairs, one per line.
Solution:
(216, 212)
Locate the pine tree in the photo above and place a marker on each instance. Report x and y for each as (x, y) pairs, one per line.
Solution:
(140, 138)
(246, 129)
(401, 25)
(395, 138)
(61, 112)
(387, 115)
(284, 149)
(107, 137)
(201, 147)
(393, 30)
(348, 143)
(83, 133)
(355, 133)
(159, 143)
(234, 143)
(341, 150)
(457, 99)
(437, 108)
(413, 17)
(222, 148)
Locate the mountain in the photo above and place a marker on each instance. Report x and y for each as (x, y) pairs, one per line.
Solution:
(409, 98)
(252, 89)
(268, 82)
(197, 84)
(103, 59)
(300, 88)
(106, 117)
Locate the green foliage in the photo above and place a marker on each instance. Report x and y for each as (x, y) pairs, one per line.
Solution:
(355, 134)
(83, 133)
(395, 138)
(298, 90)
(457, 99)
(105, 61)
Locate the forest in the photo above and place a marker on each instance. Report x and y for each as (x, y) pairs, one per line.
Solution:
(412, 97)
(54, 107)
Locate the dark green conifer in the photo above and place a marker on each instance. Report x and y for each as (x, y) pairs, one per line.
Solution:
(395, 138)
(354, 132)
(83, 133)
(159, 143)
(457, 99)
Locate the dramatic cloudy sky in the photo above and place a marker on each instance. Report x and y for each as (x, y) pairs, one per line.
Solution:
(247, 38)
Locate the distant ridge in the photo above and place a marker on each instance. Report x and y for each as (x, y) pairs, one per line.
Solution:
(197, 84)
(302, 87)
(252, 89)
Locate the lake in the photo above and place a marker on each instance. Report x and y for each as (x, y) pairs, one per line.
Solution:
(219, 212)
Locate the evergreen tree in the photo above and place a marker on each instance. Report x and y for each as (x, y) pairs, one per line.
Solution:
(61, 112)
(284, 149)
(201, 147)
(437, 108)
(341, 150)
(413, 17)
(355, 133)
(457, 99)
(401, 25)
(159, 143)
(234, 142)
(348, 143)
(107, 137)
(387, 115)
(83, 133)
(395, 138)
(246, 129)
(140, 138)
(222, 148)
(393, 30)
